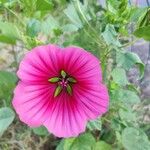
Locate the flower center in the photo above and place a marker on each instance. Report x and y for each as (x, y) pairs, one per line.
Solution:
(64, 82)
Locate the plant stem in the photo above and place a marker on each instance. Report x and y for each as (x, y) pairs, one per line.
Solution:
(87, 22)
(20, 20)
(128, 44)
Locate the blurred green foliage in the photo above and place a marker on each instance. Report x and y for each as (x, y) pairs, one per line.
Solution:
(104, 31)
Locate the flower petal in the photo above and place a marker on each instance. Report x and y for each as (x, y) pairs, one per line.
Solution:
(93, 100)
(33, 103)
(67, 119)
(81, 64)
(40, 64)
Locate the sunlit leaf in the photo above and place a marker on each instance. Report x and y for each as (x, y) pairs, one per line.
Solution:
(128, 59)
(110, 35)
(8, 33)
(77, 13)
(7, 83)
(43, 5)
(137, 12)
(49, 24)
(71, 13)
(6, 118)
(41, 131)
(94, 124)
(82, 142)
(69, 28)
(134, 139)
(127, 115)
(119, 76)
(143, 32)
(126, 96)
(102, 145)
(33, 27)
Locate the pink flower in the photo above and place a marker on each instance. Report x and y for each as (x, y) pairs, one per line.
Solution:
(60, 88)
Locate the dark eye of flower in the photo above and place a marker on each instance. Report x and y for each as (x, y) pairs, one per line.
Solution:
(64, 82)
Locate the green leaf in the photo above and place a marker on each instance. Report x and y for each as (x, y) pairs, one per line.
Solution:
(110, 35)
(115, 124)
(44, 5)
(7, 78)
(126, 96)
(112, 6)
(116, 6)
(49, 24)
(82, 142)
(42, 131)
(77, 13)
(94, 124)
(29, 6)
(57, 90)
(128, 59)
(68, 143)
(71, 13)
(127, 115)
(134, 139)
(137, 13)
(102, 145)
(54, 79)
(30, 42)
(60, 146)
(119, 76)
(8, 33)
(57, 32)
(144, 19)
(6, 118)
(69, 28)
(118, 137)
(33, 27)
(143, 32)
(7, 83)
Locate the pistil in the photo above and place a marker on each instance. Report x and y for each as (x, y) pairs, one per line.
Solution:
(64, 82)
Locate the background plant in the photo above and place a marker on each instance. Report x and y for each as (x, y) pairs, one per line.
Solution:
(105, 32)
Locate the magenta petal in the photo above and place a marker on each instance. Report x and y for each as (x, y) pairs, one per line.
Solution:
(66, 119)
(94, 101)
(39, 64)
(81, 64)
(32, 103)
